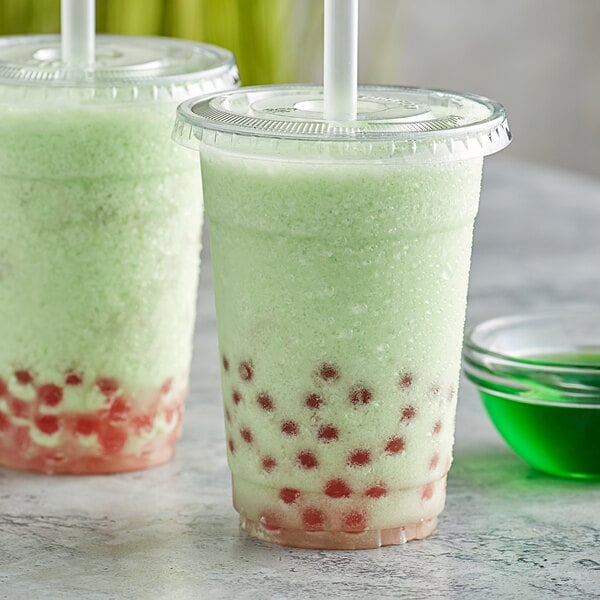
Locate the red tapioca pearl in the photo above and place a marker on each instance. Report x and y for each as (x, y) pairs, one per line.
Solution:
(4, 422)
(50, 394)
(231, 446)
(337, 488)
(270, 520)
(47, 424)
(289, 495)
(437, 427)
(405, 380)
(394, 445)
(359, 458)
(3, 388)
(246, 370)
(24, 377)
(289, 428)
(22, 439)
(307, 459)
(246, 435)
(313, 401)
(73, 379)
(268, 463)
(328, 433)
(165, 388)
(107, 385)
(379, 490)
(19, 408)
(427, 492)
(328, 372)
(142, 423)
(87, 425)
(313, 519)
(360, 395)
(265, 402)
(227, 415)
(112, 439)
(225, 363)
(354, 521)
(433, 463)
(408, 413)
(236, 397)
(119, 410)
(169, 414)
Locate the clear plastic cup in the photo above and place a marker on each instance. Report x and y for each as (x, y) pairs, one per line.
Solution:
(341, 256)
(99, 250)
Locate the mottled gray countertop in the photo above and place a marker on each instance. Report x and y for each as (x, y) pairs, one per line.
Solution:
(507, 531)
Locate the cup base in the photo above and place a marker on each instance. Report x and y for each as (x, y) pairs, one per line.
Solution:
(339, 540)
(91, 465)
(125, 433)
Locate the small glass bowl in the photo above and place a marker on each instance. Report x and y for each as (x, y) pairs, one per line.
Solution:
(539, 378)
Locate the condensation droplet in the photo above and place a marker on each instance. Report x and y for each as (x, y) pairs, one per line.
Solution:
(447, 272)
(359, 309)
(345, 334)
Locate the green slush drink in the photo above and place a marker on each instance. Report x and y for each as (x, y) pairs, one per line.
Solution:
(341, 256)
(99, 250)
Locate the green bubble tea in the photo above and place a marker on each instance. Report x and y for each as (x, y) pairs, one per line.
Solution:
(99, 254)
(340, 286)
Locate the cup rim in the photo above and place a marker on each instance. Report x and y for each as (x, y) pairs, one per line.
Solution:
(490, 325)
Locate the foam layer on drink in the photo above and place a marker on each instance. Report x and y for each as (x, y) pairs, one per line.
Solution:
(341, 291)
(99, 256)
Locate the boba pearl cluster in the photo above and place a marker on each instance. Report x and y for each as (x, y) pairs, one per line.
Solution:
(309, 473)
(83, 426)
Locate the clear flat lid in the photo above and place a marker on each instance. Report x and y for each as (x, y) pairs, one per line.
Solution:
(122, 63)
(402, 121)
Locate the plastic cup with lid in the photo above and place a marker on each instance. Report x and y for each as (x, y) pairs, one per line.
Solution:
(340, 251)
(99, 249)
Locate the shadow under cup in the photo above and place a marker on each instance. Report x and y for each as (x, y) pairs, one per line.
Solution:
(99, 253)
(340, 272)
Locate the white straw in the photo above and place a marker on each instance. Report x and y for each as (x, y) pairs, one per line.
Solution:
(77, 26)
(340, 67)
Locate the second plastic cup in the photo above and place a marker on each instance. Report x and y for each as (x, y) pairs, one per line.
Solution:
(341, 257)
(99, 250)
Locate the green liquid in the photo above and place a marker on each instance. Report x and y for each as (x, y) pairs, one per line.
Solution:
(562, 438)
(575, 359)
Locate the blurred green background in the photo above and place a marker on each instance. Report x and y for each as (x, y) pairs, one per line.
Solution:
(544, 70)
(265, 35)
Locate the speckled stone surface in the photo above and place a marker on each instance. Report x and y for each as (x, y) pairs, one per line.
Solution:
(507, 531)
